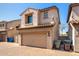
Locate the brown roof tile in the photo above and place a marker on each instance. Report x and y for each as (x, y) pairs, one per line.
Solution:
(39, 26)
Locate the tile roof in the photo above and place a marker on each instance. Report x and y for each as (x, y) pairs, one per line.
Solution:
(39, 26)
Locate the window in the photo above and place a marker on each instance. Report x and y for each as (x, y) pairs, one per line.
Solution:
(29, 19)
(45, 14)
(1, 25)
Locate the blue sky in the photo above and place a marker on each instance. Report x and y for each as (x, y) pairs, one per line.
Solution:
(10, 11)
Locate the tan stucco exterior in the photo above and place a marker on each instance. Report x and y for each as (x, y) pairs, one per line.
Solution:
(43, 31)
(38, 34)
(3, 25)
(38, 18)
(73, 22)
(51, 13)
(35, 17)
(3, 30)
(11, 29)
(8, 29)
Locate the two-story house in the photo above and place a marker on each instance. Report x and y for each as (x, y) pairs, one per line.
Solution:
(39, 27)
(12, 29)
(3, 31)
(8, 30)
(73, 21)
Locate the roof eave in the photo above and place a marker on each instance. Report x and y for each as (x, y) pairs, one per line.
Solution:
(36, 27)
(70, 9)
(26, 10)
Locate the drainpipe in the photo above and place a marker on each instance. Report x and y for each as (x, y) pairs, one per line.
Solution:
(73, 36)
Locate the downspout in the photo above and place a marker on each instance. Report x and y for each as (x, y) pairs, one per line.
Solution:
(73, 36)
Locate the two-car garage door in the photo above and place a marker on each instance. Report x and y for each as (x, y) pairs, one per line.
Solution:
(38, 39)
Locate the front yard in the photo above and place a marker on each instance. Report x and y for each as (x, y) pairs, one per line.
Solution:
(13, 49)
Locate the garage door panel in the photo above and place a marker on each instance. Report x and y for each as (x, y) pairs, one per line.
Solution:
(35, 39)
(26, 39)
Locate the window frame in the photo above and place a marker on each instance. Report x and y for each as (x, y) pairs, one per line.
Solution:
(45, 15)
(1, 25)
(26, 18)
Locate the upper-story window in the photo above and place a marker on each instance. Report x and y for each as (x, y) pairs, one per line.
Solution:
(1, 25)
(30, 19)
(45, 14)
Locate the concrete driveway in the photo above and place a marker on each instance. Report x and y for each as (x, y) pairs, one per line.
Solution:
(13, 49)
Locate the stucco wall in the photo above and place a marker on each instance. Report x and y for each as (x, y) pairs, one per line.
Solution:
(13, 24)
(51, 13)
(70, 32)
(76, 9)
(73, 19)
(38, 17)
(56, 27)
(35, 18)
(4, 27)
(11, 29)
(49, 39)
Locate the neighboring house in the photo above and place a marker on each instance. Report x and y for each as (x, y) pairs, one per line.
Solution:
(8, 30)
(11, 29)
(39, 27)
(3, 31)
(73, 21)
